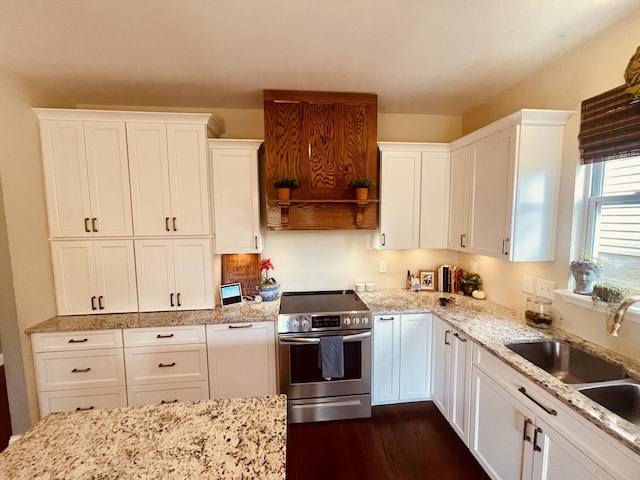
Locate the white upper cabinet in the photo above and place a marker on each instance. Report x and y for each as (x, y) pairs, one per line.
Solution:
(169, 184)
(414, 184)
(513, 185)
(86, 177)
(236, 195)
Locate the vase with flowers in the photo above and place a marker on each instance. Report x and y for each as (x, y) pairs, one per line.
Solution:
(268, 288)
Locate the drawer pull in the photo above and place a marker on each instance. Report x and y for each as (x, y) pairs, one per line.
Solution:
(171, 298)
(175, 228)
(179, 301)
(446, 334)
(73, 340)
(163, 365)
(248, 325)
(457, 335)
(164, 336)
(550, 411)
(536, 447)
(163, 402)
(385, 319)
(81, 370)
(93, 224)
(84, 409)
(100, 303)
(93, 303)
(86, 225)
(525, 435)
(166, 224)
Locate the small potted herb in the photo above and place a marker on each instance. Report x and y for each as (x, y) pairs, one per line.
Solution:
(284, 186)
(469, 282)
(362, 186)
(611, 294)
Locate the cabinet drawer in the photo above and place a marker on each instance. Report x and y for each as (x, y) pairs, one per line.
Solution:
(168, 393)
(83, 399)
(158, 336)
(70, 341)
(173, 363)
(88, 369)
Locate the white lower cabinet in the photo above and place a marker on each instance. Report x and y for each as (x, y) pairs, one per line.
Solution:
(401, 358)
(79, 370)
(451, 367)
(166, 364)
(242, 359)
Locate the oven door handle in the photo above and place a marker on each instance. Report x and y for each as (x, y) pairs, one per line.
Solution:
(316, 340)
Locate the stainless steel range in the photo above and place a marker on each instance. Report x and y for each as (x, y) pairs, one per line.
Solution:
(305, 318)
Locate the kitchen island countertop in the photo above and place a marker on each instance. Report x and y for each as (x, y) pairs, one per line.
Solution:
(232, 439)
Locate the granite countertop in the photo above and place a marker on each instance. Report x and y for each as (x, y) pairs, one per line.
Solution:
(247, 311)
(491, 325)
(232, 439)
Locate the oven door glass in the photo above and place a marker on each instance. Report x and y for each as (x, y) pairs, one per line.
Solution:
(305, 366)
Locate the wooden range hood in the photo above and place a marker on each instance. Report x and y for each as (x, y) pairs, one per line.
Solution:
(324, 140)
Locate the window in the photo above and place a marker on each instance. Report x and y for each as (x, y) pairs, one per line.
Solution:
(613, 228)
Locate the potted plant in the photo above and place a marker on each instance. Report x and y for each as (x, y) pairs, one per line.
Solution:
(362, 186)
(611, 294)
(268, 287)
(284, 186)
(586, 269)
(470, 281)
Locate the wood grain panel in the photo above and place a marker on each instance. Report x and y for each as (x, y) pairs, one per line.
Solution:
(325, 140)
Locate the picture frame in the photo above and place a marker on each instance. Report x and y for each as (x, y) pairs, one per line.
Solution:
(427, 281)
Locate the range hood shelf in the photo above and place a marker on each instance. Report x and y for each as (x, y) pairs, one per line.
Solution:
(360, 212)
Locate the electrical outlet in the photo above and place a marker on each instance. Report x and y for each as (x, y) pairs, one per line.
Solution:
(473, 266)
(545, 288)
(527, 284)
(382, 266)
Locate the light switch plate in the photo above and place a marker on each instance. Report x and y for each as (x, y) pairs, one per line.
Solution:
(527, 284)
(382, 266)
(473, 266)
(545, 288)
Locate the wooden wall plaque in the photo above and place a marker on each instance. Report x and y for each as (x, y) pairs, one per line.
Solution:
(243, 269)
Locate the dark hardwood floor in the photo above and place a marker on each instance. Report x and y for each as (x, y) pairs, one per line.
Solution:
(400, 442)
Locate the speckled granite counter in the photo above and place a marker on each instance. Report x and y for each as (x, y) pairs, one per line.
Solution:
(230, 439)
(245, 312)
(491, 325)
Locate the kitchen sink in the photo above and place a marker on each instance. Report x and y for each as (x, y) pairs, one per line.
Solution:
(567, 362)
(623, 399)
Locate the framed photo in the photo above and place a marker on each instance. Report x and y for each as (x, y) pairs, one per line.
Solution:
(427, 281)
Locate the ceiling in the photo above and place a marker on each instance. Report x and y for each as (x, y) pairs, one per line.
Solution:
(418, 56)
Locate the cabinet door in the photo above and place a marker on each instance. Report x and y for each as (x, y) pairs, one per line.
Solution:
(400, 200)
(492, 194)
(66, 178)
(193, 274)
(149, 169)
(434, 200)
(236, 200)
(155, 275)
(187, 158)
(559, 459)
(501, 432)
(459, 391)
(386, 359)
(241, 359)
(108, 171)
(116, 276)
(415, 357)
(74, 275)
(459, 199)
(441, 347)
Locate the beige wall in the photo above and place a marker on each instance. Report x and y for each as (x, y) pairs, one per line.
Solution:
(593, 68)
(26, 227)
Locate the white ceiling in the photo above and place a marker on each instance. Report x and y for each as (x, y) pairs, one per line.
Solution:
(418, 56)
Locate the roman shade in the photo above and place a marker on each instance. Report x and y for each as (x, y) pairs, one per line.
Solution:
(609, 127)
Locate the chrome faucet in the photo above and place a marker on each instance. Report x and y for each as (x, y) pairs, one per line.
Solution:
(619, 315)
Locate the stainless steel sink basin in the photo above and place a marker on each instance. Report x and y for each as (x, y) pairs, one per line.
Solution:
(568, 363)
(623, 399)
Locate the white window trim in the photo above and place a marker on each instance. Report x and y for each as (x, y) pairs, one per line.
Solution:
(633, 314)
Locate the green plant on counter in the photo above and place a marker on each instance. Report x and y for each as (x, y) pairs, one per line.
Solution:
(611, 294)
(286, 182)
(470, 281)
(362, 182)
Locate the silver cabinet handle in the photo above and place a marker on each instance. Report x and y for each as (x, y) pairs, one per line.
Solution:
(86, 225)
(457, 335)
(550, 411)
(81, 370)
(314, 340)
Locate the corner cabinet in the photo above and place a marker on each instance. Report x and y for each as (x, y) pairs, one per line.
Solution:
(505, 186)
(401, 358)
(236, 195)
(414, 195)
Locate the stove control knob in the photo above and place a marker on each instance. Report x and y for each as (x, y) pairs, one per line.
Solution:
(296, 323)
(347, 321)
(356, 320)
(365, 320)
(305, 323)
